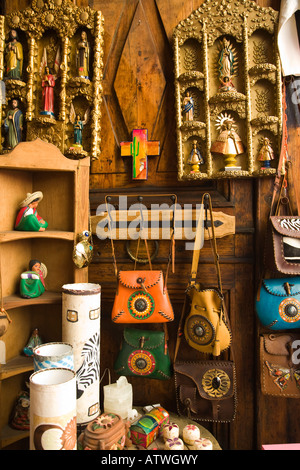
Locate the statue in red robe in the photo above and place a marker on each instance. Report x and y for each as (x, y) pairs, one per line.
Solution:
(48, 84)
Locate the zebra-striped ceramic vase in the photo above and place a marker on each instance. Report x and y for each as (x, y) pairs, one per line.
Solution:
(81, 328)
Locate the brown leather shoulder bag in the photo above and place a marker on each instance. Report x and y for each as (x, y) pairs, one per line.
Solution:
(205, 389)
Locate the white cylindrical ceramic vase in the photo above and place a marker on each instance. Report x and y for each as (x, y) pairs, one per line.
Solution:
(81, 328)
(49, 355)
(53, 409)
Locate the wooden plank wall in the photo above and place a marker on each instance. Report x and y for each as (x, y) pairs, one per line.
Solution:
(138, 88)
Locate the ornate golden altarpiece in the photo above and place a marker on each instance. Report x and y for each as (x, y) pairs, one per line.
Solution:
(50, 32)
(242, 37)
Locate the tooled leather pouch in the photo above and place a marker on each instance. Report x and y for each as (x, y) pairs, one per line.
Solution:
(206, 327)
(278, 303)
(144, 353)
(280, 364)
(282, 244)
(141, 297)
(206, 390)
(283, 247)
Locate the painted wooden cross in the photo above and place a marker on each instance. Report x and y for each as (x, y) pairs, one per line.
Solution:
(140, 148)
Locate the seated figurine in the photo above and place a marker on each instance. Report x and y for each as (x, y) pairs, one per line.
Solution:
(20, 418)
(32, 282)
(33, 342)
(28, 218)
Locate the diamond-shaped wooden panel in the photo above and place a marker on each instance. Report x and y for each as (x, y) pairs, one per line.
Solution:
(139, 82)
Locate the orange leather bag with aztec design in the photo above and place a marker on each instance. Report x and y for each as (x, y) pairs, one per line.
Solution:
(142, 295)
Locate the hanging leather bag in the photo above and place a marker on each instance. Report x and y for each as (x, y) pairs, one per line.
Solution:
(142, 295)
(205, 389)
(206, 326)
(280, 364)
(144, 353)
(282, 246)
(278, 303)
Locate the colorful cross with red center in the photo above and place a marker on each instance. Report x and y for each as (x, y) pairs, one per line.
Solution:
(140, 148)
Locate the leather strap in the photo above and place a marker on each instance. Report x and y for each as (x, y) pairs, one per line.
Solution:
(206, 202)
(171, 258)
(207, 207)
(284, 169)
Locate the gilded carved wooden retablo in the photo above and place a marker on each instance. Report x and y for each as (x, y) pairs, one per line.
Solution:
(227, 91)
(51, 62)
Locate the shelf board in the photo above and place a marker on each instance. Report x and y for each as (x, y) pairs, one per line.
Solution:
(10, 435)
(16, 365)
(14, 235)
(48, 297)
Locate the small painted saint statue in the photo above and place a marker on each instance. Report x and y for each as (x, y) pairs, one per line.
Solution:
(188, 107)
(266, 154)
(13, 124)
(48, 84)
(28, 218)
(78, 125)
(195, 158)
(83, 56)
(228, 143)
(13, 57)
(227, 65)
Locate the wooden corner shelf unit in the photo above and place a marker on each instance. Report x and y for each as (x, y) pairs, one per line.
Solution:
(36, 166)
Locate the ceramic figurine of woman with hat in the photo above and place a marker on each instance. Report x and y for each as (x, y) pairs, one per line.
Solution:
(28, 219)
(32, 282)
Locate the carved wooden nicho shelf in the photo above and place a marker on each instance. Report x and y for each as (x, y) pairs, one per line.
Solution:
(228, 91)
(51, 65)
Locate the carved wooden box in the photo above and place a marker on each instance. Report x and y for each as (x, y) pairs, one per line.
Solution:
(227, 91)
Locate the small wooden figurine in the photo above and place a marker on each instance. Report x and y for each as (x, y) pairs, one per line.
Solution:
(20, 418)
(48, 84)
(228, 143)
(14, 57)
(78, 125)
(28, 218)
(266, 154)
(32, 282)
(83, 56)
(140, 148)
(188, 107)
(195, 159)
(227, 65)
(34, 341)
(13, 125)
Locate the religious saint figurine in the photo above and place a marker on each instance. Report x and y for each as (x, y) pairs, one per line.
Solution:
(28, 218)
(195, 158)
(228, 143)
(227, 65)
(13, 125)
(78, 125)
(48, 84)
(83, 56)
(14, 57)
(20, 418)
(34, 341)
(188, 107)
(32, 282)
(266, 154)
